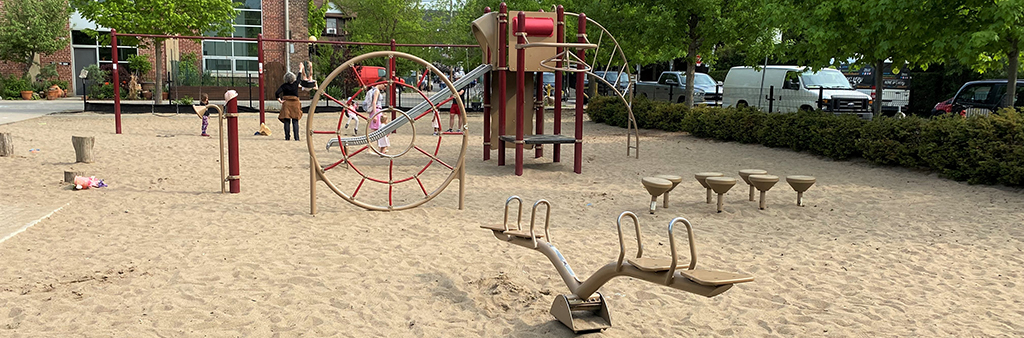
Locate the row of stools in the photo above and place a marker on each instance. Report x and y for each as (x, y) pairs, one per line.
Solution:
(713, 181)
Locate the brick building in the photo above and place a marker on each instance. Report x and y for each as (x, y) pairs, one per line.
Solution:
(275, 19)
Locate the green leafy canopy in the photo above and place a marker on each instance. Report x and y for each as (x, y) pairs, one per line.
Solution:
(30, 27)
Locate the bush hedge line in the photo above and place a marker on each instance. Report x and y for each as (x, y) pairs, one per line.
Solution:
(979, 150)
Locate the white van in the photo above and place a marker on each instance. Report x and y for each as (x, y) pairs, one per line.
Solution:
(795, 88)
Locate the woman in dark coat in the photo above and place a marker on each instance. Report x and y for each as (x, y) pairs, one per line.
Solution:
(291, 107)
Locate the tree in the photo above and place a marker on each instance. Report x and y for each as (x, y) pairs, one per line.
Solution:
(654, 30)
(32, 27)
(995, 31)
(161, 17)
(316, 19)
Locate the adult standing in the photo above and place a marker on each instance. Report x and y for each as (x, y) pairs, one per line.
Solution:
(291, 107)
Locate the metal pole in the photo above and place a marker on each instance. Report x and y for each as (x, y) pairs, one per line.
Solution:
(556, 127)
(771, 98)
(263, 92)
(502, 73)
(582, 55)
(520, 30)
(391, 86)
(233, 167)
(117, 81)
(821, 92)
(487, 104)
(539, 103)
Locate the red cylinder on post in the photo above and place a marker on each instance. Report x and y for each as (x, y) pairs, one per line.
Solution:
(233, 166)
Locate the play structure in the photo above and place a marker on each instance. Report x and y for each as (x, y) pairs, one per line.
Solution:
(527, 44)
(428, 148)
(584, 308)
(717, 182)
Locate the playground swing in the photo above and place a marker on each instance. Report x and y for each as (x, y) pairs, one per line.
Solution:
(585, 309)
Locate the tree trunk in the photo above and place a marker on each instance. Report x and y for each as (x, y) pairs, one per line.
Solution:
(6, 145)
(159, 51)
(691, 60)
(83, 148)
(879, 86)
(1012, 65)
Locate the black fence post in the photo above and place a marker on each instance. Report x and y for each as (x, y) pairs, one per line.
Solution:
(771, 98)
(820, 97)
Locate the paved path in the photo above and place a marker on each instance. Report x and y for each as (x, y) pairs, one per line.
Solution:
(18, 110)
(17, 218)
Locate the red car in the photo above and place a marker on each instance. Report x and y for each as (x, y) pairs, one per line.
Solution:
(943, 107)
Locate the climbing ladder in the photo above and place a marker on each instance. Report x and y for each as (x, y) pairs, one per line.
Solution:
(585, 309)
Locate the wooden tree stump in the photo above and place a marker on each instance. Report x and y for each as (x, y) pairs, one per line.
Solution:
(6, 145)
(69, 176)
(83, 148)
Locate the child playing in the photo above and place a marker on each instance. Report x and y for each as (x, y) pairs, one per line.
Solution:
(455, 111)
(306, 76)
(203, 101)
(350, 115)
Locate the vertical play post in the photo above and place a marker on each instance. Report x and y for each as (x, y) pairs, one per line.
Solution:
(502, 74)
(233, 167)
(487, 103)
(391, 82)
(520, 29)
(259, 61)
(556, 127)
(582, 55)
(117, 81)
(538, 104)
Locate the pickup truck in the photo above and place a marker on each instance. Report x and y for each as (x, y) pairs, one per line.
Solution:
(671, 86)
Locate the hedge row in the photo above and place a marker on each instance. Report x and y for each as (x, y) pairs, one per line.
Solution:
(985, 150)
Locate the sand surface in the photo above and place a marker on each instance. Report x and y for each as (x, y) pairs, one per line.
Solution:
(875, 251)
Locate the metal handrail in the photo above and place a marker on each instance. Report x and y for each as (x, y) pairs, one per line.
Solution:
(672, 244)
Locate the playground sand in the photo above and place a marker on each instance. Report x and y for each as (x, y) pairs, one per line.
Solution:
(874, 252)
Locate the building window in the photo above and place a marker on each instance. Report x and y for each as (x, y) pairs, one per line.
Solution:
(236, 56)
(80, 39)
(335, 26)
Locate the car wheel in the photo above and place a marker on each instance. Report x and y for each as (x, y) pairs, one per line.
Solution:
(741, 104)
(681, 99)
(806, 108)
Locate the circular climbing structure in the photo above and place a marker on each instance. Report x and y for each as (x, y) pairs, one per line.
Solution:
(420, 162)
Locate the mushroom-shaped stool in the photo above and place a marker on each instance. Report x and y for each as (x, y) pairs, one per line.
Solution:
(763, 183)
(703, 176)
(675, 181)
(656, 186)
(720, 185)
(747, 172)
(800, 183)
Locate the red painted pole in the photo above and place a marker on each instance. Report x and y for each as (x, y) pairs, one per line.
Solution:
(520, 90)
(582, 55)
(117, 81)
(233, 167)
(487, 104)
(502, 73)
(539, 103)
(392, 89)
(556, 127)
(263, 92)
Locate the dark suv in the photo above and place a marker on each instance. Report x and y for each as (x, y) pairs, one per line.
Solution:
(984, 97)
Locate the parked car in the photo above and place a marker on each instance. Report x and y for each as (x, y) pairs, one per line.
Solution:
(670, 87)
(795, 88)
(943, 107)
(984, 97)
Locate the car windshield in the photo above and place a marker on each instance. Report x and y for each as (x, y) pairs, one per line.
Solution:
(549, 77)
(701, 80)
(826, 79)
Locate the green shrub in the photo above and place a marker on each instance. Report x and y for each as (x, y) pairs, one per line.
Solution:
(979, 150)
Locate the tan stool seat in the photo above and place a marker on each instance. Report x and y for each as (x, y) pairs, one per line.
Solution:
(763, 182)
(525, 233)
(704, 175)
(656, 186)
(800, 182)
(720, 185)
(675, 179)
(654, 264)
(747, 172)
(715, 278)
